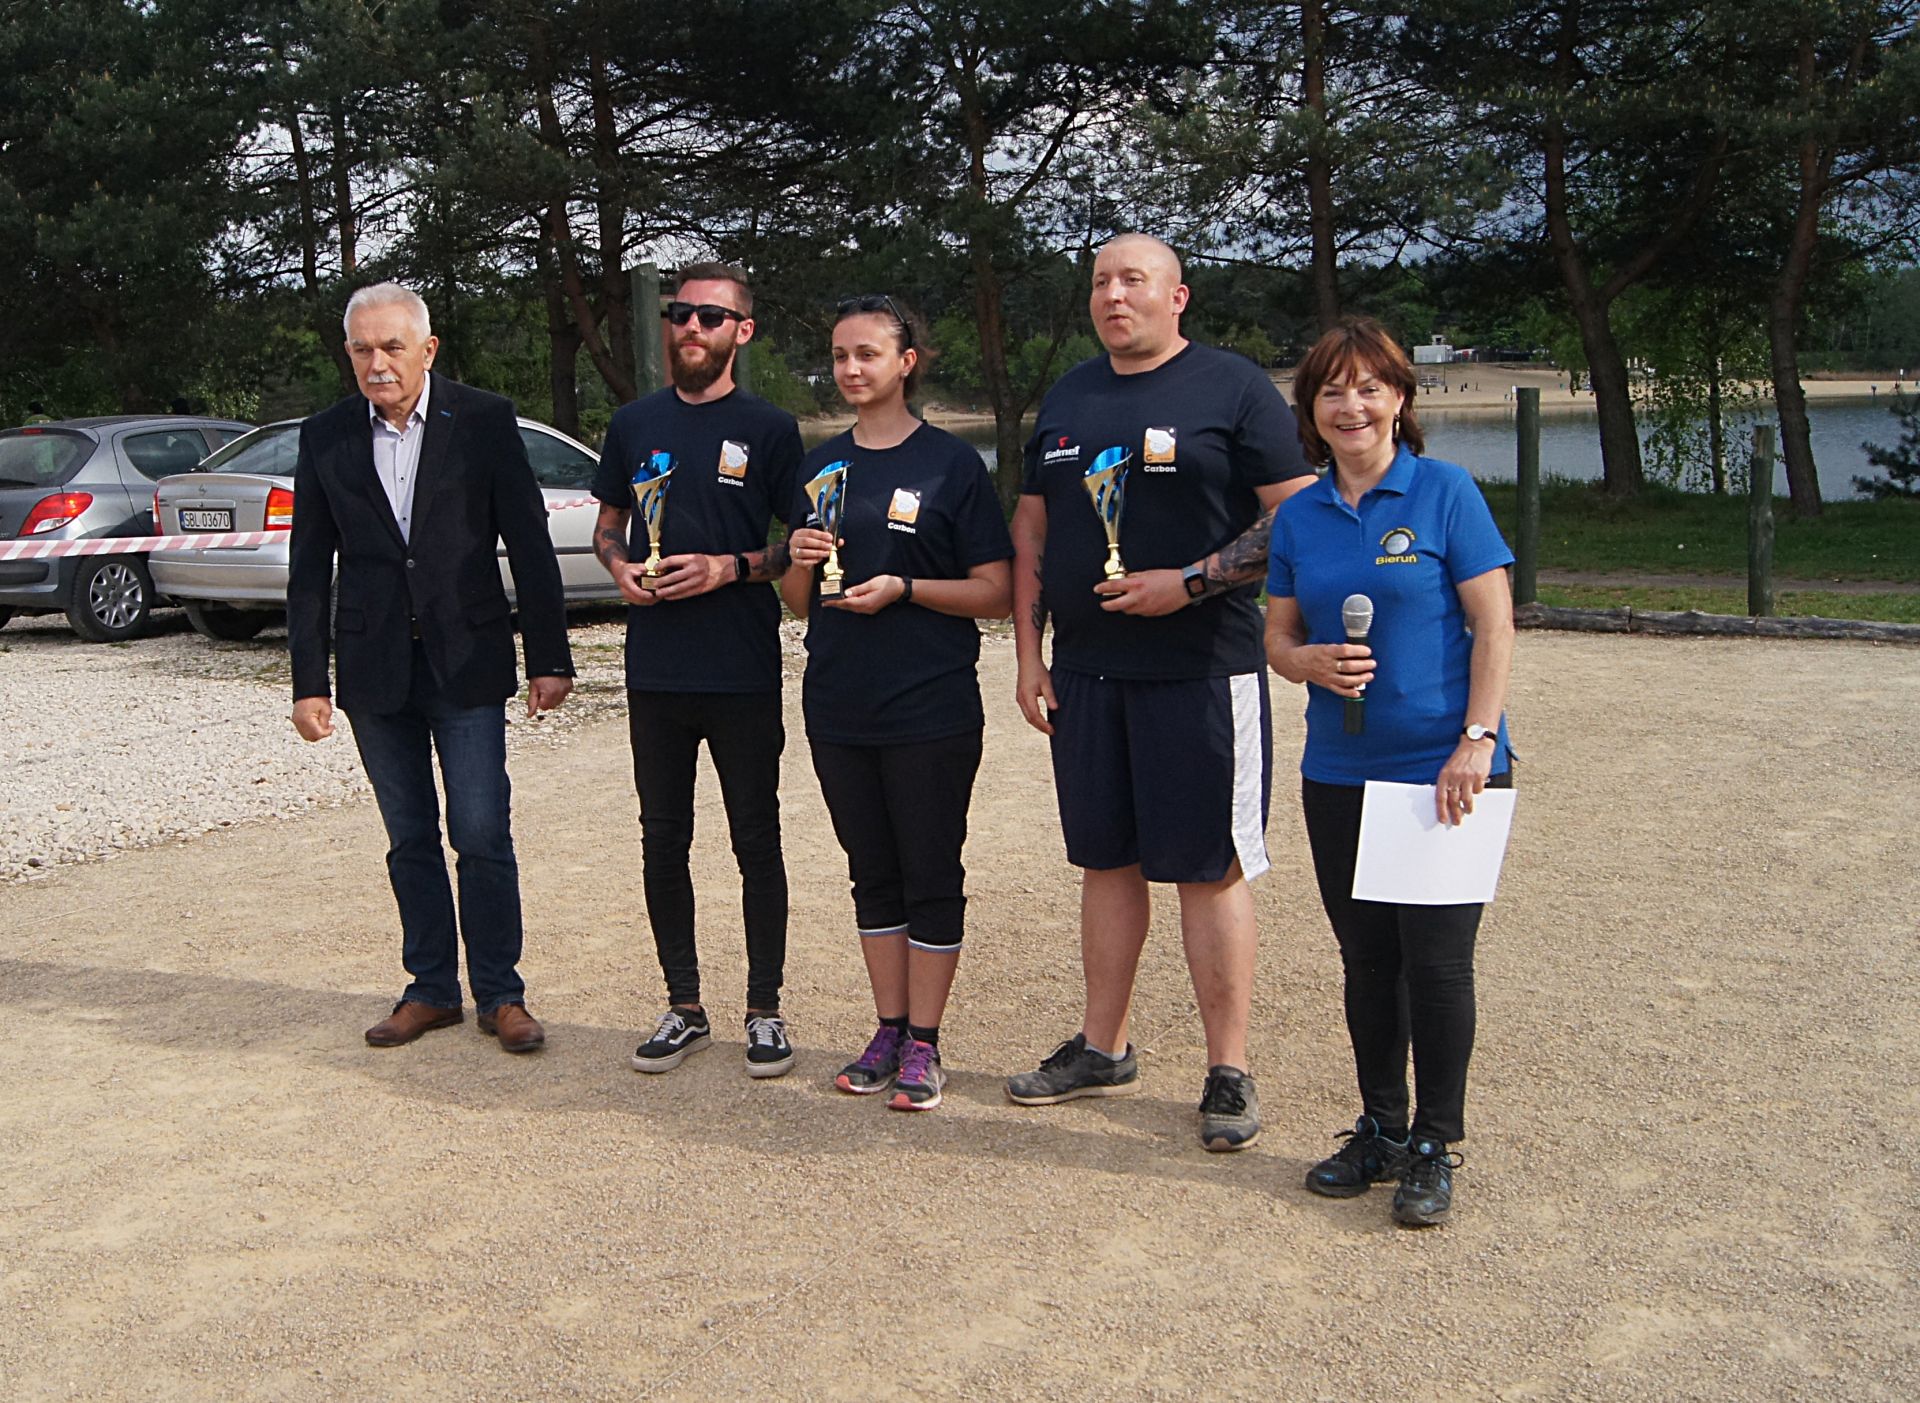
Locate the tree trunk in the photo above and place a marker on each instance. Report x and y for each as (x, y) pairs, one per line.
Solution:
(616, 292)
(1783, 314)
(1716, 434)
(343, 194)
(563, 353)
(322, 318)
(1325, 257)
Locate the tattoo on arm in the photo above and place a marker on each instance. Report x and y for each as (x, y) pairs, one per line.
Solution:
(1241, 561)
(610, 544)
(768, 564)
(1039, 613)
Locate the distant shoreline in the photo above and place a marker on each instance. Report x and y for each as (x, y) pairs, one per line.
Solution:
(1478, 390)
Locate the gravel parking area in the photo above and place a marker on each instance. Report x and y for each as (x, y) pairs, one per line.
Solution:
(1690, 1171)
(117, 746)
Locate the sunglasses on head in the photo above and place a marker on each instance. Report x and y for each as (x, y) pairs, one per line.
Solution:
(878, 302)
(712, 317)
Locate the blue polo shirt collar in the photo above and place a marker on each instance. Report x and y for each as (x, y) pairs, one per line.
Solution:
(1399, 481)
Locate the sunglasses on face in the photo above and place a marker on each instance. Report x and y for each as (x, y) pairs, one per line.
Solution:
(878, 302)
(712, 317)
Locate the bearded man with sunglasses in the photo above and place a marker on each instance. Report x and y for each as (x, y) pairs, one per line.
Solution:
(703, 649)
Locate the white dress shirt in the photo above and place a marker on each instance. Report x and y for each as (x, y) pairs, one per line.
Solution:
(396, 458)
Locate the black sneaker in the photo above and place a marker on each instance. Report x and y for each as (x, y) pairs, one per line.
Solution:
(1229, 1110)
(1071, 1070)
(1425, 1196)
(769, 1054)
(1368, 1158)
(682, 1032)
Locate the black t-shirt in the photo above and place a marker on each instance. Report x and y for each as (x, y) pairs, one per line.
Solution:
(1204, 429)
(733, 471)
(924, 509)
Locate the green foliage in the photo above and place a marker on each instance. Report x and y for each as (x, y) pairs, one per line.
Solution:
(1668, 532)
(1901, 463)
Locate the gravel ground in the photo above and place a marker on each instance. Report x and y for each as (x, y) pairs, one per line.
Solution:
(127, 745)
(1690, 1171)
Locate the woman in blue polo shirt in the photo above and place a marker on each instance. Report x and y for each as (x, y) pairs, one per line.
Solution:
(891, 699)
(1414, 535)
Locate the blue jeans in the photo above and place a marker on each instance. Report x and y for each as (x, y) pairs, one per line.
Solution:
(397, 749)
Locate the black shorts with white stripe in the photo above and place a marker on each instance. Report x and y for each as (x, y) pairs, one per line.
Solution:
(1173, 775)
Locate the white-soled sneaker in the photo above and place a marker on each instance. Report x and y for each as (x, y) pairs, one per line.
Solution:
(682, 1032)
(769, 1054)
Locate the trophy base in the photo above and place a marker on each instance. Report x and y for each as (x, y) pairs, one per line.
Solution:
(832, 591)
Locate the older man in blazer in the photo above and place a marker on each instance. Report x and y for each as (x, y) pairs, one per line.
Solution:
(407, 485)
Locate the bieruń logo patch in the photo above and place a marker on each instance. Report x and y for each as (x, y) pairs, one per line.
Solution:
(1159, 450)
(903, 510)
(733, 461)
(1396, 547)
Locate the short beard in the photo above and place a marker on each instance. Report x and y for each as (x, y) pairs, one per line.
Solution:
(697, 379)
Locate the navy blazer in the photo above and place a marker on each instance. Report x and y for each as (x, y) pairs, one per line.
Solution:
(474, 487)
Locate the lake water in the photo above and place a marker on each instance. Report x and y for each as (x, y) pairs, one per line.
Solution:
(1483, 442)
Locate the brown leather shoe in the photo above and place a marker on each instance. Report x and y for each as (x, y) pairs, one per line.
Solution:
(409, 1020)
(518, 1030)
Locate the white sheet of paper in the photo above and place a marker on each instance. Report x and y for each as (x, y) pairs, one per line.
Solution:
(1408, 855)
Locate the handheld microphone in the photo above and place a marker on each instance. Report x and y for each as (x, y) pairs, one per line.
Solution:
(1356, 616)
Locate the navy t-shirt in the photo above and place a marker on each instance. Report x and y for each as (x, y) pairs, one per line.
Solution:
(1204, 429)
(1415, 536)
(923, 509)
(733, 471)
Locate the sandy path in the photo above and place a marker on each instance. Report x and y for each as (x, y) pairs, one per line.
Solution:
(1690, 1172)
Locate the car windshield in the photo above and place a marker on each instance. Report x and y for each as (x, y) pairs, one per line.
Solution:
(269, 450)
(41, 457)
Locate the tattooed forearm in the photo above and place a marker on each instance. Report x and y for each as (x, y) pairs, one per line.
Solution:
(1241, 561)
(1039, 611)
(768, 564)
(610, 543)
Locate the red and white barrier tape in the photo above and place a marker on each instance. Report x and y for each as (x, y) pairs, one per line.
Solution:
(140, 545)
(131, 545)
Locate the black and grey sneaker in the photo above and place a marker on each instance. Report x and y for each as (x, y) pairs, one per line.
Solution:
(1368, 1158)
(1425, 1196)
(769, 1054)
(1072, 1070)
(874, 1069)
(682, 1032)
(1229, 1110)
(921, 1078)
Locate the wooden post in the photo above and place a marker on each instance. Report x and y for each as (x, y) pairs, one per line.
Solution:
(1526, 565)
(1760, 524)
(649, 372)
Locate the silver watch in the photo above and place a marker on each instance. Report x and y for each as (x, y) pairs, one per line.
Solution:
(1481, 733)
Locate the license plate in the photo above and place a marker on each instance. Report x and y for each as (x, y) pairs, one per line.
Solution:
(206, 519)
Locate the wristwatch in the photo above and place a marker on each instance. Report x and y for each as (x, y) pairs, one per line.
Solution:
(906, 589)
(1194, 580)
(1481, 733)
(740, 568)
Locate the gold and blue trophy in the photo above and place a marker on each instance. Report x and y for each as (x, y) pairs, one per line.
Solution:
(828, 493)
(1106, 484)
(650, 481)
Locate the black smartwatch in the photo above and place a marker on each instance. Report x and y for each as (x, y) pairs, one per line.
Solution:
(906, 589)
(1194, 580)
(740, 568)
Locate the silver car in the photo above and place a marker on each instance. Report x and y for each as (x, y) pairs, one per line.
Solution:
(233, 591)
(82, 478)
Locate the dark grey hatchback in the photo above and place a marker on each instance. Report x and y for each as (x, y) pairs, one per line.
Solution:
(81, 478)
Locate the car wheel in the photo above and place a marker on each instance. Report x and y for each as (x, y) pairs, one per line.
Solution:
(111, 597)
(5, 614)
(212, 619)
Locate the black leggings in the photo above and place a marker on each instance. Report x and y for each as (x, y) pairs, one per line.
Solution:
(900, 812)
(745, 734)
(1409, 977)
